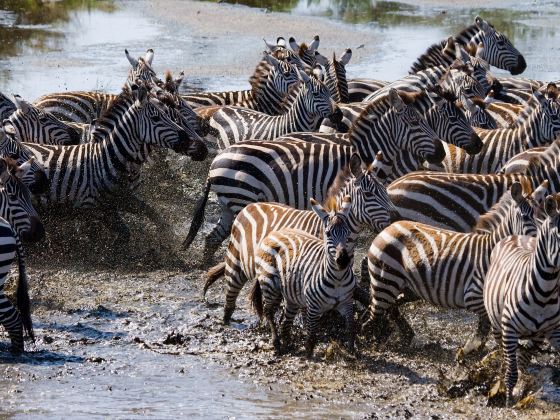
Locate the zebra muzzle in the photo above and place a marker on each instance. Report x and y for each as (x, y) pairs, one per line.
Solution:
(336, 116)
(41, 183)
(520, 67)
(342, 258)
(475, 146)
(439, 153)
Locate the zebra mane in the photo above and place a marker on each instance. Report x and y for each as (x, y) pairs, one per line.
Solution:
(374, 110)
(106, 122)
(492, 218)
(336, 187)
(259, 76)
(526, 111)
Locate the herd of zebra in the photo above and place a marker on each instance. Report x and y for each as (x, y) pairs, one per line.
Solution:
(454, 170)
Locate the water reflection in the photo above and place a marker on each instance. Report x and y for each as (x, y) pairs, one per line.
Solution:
(29, 23)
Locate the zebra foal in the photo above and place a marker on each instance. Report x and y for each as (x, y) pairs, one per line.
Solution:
(521, 291)
(307, 272)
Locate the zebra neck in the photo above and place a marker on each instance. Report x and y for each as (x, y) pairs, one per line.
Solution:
(544, 273)
(529, 132)
(121, 146)
(333, 276)
(267, 99)
(298, 118)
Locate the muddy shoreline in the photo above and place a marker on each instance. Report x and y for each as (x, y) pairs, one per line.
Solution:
(125, 333)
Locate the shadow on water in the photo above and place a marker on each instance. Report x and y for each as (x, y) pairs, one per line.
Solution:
(40, 357)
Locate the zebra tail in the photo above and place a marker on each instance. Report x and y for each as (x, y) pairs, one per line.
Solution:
(22, 293)
(212, 275)
(198, 216)
(256, 298)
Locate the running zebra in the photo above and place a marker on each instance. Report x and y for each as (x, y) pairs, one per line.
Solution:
(270, 83)
(443, 267)
(83, 106)
(307, 272)
(521, 291)
(31, 124)
(539, 126)
(370, 207)
(498, 50)
(450, 201)
(290, 170)
(7, 107)
(335, 75)
(92, 173)
(234, 124)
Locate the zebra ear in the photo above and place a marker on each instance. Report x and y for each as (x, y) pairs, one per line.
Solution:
(179, 80)
(516, 191)
(23, 169)
(148, 58)
(540, 192)
(356, 165)
(345, 58)
(314, 44)
(21, 104)
(481, 24)
(270, 59)
(552, 91)
(321, 59)
(280, 42)
(550, 206)
(468, 104)
(380, 168)
(320, 211)
(271, 47)
(461, 54)
(133, 62)
(449, 44)
(293, 44)
(396, 101)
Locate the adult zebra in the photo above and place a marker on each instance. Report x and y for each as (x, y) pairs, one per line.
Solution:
(370, 207)
(290, 171)
(521, 291)
(443, 267)
(498, 50)
(85, 106)
(450, 201)
(335, 75)
(539, 125)
(6, 107)
(234, 124)
(476, 113)
(306, 52)
(88, 175)
(307, 272)
(31, 124)
(270, 83)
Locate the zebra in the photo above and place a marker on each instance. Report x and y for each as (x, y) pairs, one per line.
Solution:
(234, 124)
(306, 52)
(360, 88)
(83, 106)
(477, 113)
(35, 178)
(270, 83)
(88, 175)
(450, 201)
(370, 206)
(539, 127)
(7, 107)
(31, 124)
(290, 171)
(335, 75)
(498, 50)
(443, 267)
(307, 272)
(521, 291)
(505, 114)
(439, 108)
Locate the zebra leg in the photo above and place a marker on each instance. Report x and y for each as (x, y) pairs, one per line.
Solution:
(218, 234)
(510, 344)
(405, 330)
(235, 281)
(290, 312)
(554, 339)
(271, 298)
(347, 311)
(312, 323)
(11, 320)
(361, 295)
(478, 340)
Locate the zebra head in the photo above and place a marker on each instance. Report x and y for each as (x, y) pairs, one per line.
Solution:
(142, 68)
(30, 124)
(317, 99)
(371, 205)
(469, 59)
(498, 49)
(279, 46)
(15, 202)
(306, 53)
(155, 126)
(458, 80)
(6, 107)
(522, 215)
(549, 121)
(339, 250)
(336, 75)
(449, 121)
(282, 75)
(475, 111)
(35, 178)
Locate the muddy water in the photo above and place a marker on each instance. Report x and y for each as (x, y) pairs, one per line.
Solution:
(126, 334)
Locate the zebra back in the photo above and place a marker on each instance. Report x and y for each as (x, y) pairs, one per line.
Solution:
(77, 107)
